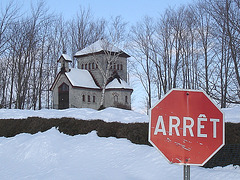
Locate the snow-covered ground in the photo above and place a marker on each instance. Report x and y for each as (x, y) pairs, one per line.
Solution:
(53, 155)
(108, 114)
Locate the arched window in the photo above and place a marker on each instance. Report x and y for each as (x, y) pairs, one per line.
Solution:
(89, 66)
(63, 88)
(121, 67)
(85, 66)
(94, 99)
(118, 67)
(83, 98)
(89, 100)
(114, 66)
(82, 66)
(115, 97)
(93, 66)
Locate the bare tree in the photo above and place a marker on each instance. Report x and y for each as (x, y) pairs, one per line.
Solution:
(142, 40)
(85, 30)
(226, 17)
(114, 38)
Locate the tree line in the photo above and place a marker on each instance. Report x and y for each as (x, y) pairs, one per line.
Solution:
(194, 46)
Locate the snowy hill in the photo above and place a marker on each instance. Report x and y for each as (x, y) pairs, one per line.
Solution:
(53, 155)
(107, 115)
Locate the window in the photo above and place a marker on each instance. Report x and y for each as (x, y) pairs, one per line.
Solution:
(114, 66)
(85, 66)
(83, 98)
(96, 66)
(89, 66)
(63, 88)
(94, 99)
(126, 99)
(89, 100)
(121, 67)
(115, 98)
(93, 66)
(82, 66)
(118, 67)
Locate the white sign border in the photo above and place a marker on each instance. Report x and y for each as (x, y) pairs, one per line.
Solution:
(190, 90)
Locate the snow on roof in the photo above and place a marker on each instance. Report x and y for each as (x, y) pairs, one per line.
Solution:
(66, 57)
(115, 84)
(100, 45)
(81, 78)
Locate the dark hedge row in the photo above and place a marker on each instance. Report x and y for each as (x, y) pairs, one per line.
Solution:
(135, 132)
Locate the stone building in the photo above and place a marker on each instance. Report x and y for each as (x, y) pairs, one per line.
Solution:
(82, 87)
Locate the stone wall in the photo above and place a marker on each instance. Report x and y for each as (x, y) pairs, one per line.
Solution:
(118, 98)
(91, 98)
(87, 62)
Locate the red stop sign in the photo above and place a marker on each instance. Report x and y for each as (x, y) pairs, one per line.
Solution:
(186, 127)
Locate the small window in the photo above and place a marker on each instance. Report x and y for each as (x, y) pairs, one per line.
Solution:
(82, 66)
(89, 65)
(114, 66)
(85, 66)
(94, 99)
(83, 98)
(115, 98)
(118, 67)
(126, 99)
(121, 67)
(93, 66)
(89, 100)
(96, 66)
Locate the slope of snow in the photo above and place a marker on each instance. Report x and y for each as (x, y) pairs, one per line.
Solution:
(232, 114)
(115, 84)
(67, 57)
(100, 45)
(52, 155)
(108, 115)
(81, 78)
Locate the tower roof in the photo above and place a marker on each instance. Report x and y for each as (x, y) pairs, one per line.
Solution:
(65, 57)
(100, 46)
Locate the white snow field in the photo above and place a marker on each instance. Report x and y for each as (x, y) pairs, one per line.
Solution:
(108, 114)
(53, 155)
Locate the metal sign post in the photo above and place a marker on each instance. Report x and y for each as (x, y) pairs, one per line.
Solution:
(186, 172)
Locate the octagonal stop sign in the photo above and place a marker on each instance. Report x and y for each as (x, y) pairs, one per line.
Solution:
(186, 127)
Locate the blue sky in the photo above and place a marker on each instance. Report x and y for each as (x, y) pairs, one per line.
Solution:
(131, 10)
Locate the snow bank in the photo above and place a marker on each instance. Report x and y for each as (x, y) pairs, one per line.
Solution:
(52, 155)
(232, 114)
(107, 115)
